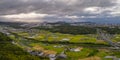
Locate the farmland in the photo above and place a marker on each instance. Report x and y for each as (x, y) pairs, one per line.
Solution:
(74, 46)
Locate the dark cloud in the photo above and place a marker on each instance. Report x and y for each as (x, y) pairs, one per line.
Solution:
(49, 6)
(56, 7)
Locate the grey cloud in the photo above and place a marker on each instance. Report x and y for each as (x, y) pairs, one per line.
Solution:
(54, 7)
(48, 6)
(6, 19)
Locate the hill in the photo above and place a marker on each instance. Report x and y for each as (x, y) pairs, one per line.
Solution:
(8, 51)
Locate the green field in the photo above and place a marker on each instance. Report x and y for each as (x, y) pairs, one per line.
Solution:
(55, 43)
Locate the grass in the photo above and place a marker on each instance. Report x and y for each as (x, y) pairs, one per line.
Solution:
(9, 51)
(89, 43)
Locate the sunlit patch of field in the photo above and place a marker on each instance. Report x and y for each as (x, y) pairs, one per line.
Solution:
(92, 58)
(116, 38)
(45, 51)
(49, 52)
(46, 47)
(38, 48)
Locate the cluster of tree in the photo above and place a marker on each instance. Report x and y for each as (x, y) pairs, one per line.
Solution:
(73, 29)
(8, 51)
(12, 24)
(115, 30)
(68, 29)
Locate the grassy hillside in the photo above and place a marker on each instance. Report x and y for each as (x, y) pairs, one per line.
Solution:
(8, 51)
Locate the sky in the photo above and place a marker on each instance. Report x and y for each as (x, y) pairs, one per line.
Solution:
(101, 11)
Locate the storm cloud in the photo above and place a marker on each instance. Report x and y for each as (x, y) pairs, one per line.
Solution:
(57, 10)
